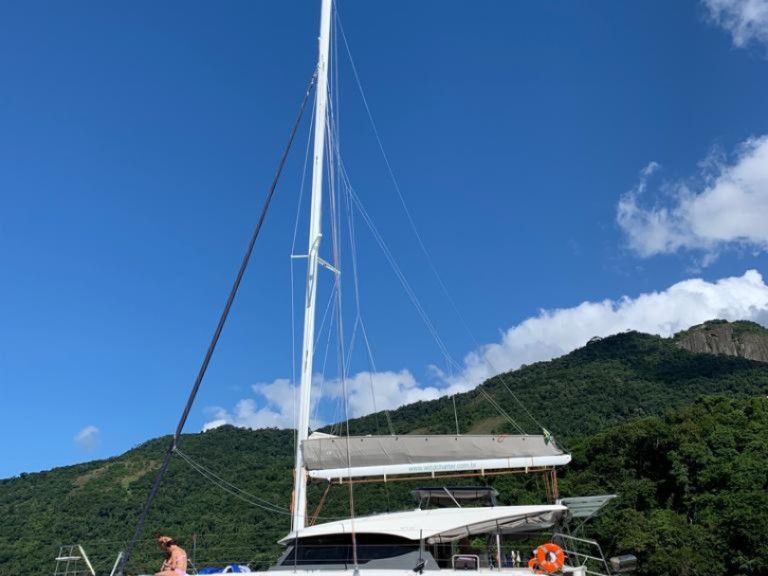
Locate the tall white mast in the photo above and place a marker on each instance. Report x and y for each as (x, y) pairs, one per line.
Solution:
(308, 349)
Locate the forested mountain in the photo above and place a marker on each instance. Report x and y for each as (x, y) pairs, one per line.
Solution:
(607, 381)
(681, 436)
(693, 487)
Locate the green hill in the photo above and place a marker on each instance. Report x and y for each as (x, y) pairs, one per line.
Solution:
(693, 487)
(691, 473)
(607, 381)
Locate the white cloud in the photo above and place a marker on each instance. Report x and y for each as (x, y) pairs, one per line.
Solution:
(556, 332)
(279, 399)
(550, 334)
(88, 438)
(390, 389)
(729, 209)
(745, 20)
(277, 410)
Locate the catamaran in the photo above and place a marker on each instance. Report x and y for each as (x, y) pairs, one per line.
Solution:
(424, 539)
(438, 534)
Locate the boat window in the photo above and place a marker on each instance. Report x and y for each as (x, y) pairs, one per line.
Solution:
(338, 549)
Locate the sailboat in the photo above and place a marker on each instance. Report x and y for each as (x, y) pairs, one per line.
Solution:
(424, 539)
(435, 536)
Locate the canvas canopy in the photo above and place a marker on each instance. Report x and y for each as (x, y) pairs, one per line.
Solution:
(334, 457)
(442, 524)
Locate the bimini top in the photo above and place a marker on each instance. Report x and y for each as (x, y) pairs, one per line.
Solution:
(585, 506)
(336, 457)
(442, 524)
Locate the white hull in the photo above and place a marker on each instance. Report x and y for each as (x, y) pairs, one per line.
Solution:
(363, 572)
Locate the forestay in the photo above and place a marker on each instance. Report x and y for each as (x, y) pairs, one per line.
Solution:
(334, 457)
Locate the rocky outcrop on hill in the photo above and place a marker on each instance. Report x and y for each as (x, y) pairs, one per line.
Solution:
(744, 339)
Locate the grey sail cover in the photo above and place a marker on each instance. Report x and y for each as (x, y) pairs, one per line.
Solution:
(376, 455)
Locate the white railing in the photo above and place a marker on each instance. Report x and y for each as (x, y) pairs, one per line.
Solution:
(583, 553)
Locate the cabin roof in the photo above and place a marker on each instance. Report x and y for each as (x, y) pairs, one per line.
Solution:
(440, 525)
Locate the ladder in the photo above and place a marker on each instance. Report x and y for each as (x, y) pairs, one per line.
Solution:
(68, 562)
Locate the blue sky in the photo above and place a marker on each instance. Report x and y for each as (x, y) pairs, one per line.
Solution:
(573, 169)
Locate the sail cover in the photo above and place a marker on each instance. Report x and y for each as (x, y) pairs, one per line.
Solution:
(334, 457)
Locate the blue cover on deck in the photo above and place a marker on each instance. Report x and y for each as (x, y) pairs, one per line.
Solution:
(231, 569)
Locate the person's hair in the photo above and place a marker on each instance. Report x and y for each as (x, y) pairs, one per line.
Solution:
(166, 540)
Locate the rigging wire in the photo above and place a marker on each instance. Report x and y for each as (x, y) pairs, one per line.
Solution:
(359, 318)
(216, 335)
(403, 280)
(499, 376)
(415, 301)
(333, 217)
(400, 274)
(334, 300)
(239, 493)
(231, 488)
(328, 315)
(349, 212)
(342, 364)
(493, 402)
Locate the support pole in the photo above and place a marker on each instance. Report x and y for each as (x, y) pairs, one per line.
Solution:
(299, 518)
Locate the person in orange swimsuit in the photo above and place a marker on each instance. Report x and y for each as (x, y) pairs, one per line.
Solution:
(176, 559)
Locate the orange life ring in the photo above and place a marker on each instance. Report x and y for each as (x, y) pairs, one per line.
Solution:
(550, 557)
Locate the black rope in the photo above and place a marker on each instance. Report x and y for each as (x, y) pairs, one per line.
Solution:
(215, 339)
